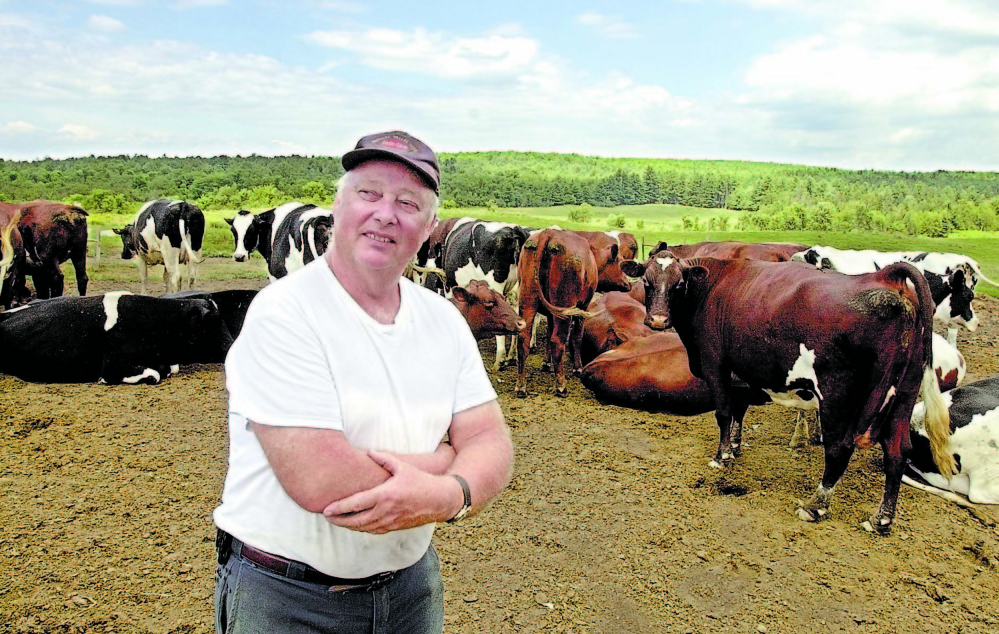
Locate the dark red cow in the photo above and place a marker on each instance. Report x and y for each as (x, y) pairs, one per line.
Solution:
(11, 255)
(488, 314)
(765, 251)
(653, 374)
(558, 278)
(860, 345)
(617, 318)
(52, 233)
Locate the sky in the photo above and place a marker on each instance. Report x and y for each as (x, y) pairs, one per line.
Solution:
(902, 85)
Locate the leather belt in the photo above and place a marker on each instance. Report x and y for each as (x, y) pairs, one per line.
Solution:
(303, 572)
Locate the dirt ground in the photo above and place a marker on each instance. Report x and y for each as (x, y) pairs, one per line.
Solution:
(613, 522)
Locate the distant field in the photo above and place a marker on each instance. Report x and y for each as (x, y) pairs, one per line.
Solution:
(661, 222)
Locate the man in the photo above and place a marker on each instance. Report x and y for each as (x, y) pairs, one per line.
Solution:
(343, 383)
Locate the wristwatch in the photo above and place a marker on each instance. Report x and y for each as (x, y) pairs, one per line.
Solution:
(467, 506)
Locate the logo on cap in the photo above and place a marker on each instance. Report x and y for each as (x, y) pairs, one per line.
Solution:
(395, 143)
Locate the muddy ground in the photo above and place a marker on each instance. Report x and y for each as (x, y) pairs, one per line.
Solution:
(613, 522)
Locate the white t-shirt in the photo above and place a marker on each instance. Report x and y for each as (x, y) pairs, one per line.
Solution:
(309, 356)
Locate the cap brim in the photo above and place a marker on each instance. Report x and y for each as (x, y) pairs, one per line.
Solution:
(352, 159)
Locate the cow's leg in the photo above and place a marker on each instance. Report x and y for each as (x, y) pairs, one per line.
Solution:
(79, 259)
(575, 343)
(143, 273)
(56, 281)
(556, 348)
(171, 265)
(837, 457)
(952, 336)
(896, 447)
(192, 269)
(527, 312)
(723, 416)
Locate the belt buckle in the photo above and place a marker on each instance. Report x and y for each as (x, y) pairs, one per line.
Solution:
(380, 581)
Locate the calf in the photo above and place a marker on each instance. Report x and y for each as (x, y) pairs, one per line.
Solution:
(167, 232)
(617, 318)
(490, 251)
(558, 278)
(53, 233)
(288, 237)
(112, 338)
(860, 345)
(11, 255)
(488, 314)
(974, 443)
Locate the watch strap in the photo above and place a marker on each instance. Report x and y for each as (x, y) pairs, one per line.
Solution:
(467, 504)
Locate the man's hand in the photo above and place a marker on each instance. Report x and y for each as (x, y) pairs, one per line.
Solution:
(409, 498)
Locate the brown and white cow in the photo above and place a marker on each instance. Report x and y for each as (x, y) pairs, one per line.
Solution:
(11, 255)
(860, 345)
(617, 318)
(52, 233)
(558, 278)
(487, 312)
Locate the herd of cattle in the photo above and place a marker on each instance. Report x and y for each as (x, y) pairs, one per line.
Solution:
(848, 334)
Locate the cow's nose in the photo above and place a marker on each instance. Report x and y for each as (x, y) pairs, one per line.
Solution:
(239, 258)
(521, 324)
(656, 322)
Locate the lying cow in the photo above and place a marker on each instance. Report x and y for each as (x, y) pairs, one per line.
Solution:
(860, 345)
(53, 233)
(288, 237)
(617, 318)
(113, 338)
(764, 251)
(488, 314)
(974, 443)
(952, 278)
(231, 303)
(167, 232)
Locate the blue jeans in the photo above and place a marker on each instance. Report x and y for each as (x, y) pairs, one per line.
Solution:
(251, 600)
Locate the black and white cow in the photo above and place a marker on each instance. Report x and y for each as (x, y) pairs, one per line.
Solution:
(232, 304)
(113, 338)
(974, 442)
(288, 237)
(167, 232)
(952, 278)
(489, 251)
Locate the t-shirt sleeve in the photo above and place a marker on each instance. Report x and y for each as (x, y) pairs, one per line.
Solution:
(474, 387)
(277, 374)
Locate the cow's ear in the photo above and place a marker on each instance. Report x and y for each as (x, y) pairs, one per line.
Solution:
(118, 231)
(229, 221)
(633, 268)
(695, 273)
(462, 295)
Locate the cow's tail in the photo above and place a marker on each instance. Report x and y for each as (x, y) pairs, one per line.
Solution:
(6, 246)
(986, 279)
(185, 240)
(937, 418)
(544, 246)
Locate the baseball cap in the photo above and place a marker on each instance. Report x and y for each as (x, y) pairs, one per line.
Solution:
(397, 146)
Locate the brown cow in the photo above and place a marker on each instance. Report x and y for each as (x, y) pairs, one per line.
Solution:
(488, 314)
(11, 255)
(617, 318)
(609, 255)
(764, 251)
(653, 374)
(861, 345)
(52, 233)
(558, 278)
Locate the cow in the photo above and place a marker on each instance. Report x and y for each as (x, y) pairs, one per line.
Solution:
(617, 318)
(52, 233)
(11, 255)
(167, 232)
(626, 243)
(764, 251)
(489, 251)
(112, 338)
(288, 237)
(558, 278)
(860, 346)
(974, 443)
(427, 271)
(487, 312)
(952, 278)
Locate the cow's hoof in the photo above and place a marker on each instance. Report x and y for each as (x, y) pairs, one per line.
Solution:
(812, 515)
(880, 527)
(521, 393)
(562, 392)
(714, 464)
(546, 367)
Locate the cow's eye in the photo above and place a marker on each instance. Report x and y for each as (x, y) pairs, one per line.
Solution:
(489, 304)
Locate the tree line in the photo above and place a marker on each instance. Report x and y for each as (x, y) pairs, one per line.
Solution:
(773, 196)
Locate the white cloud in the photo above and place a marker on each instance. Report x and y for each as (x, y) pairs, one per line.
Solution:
(18, 127)
(78, 132)
(341, 5)
(105, 24)
(438, 54)
(195, 4)
(609, 26)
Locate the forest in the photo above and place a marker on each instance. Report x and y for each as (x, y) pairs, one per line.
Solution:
(767, 196)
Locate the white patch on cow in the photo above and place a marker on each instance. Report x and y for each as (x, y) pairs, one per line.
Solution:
(296, 258)
(174, 369)
(947, 358)
(888, 397)
(493, 227)
(280, 213)
(110, 302)
(792, 400)
(977, 443)
(665, 262)
(910, 285)
(804, 368)
(942, 316)
(241, 224)
(147, 373)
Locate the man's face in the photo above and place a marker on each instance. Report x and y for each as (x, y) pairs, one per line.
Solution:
(382, 215)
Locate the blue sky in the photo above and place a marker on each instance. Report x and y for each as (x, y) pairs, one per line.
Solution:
(860, 84)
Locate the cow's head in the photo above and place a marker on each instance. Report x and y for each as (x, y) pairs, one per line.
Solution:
(246, 231)
(610, 277)
(959, 302)
(128, 246)
(656, 273)
(487, 312)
